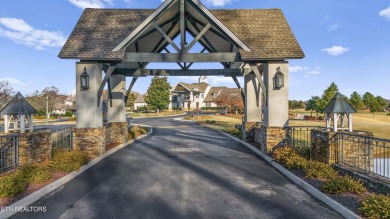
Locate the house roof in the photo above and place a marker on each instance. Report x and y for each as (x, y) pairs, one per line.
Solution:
(265, 31)
(339, 104)
(210, 95)
(140, 99)
(201, 87)
(18, 105)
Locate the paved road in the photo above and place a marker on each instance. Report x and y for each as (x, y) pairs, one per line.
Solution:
(181, 171)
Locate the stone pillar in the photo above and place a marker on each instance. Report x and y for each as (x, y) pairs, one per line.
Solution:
(276, 112)
(89, 114)
(92, 141)
(117, 112)
(253, 105)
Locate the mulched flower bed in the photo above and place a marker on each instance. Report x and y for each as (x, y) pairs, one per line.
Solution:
(31, 189)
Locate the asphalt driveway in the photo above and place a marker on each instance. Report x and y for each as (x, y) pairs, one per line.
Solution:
(181, 171)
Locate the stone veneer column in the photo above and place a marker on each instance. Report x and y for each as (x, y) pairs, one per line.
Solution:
(34, 147)
(117, 112)
(89, 135)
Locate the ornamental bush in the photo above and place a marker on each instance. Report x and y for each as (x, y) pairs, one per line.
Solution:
(67, 161)
(12, 184)
(319, 170)
(35, 173)
(343, 184)
(290, 158)
(375, 206)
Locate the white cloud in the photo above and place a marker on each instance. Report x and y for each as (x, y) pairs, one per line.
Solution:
(333, 27)
(385, 13)
(91, 3)
(298, 68)
(215, 80)
(16, 84)
(336, 50)
(20, 32)
(218, 3)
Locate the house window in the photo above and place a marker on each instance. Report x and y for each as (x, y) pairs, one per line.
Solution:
(197, 96)
(202, 96)
(208, 104)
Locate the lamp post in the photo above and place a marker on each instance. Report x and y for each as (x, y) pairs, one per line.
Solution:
(47, 108)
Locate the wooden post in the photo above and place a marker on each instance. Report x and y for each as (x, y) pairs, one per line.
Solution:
(22, 124)
(335, 121)
(350, 122)
(328, 119)
(6, 123)
(342, 120)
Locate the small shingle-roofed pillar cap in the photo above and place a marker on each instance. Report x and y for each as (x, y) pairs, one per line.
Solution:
(339, 104)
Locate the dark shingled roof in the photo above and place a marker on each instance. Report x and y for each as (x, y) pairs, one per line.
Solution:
(339, 104)
(18, 105)
(265, 31)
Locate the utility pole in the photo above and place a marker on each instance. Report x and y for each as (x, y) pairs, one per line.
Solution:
(47, 108)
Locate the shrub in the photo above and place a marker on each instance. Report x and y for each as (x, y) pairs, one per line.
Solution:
(343, 184)
(207, 121)
(68, 114)
(289, 158)
(35, 173)
(12, 184)
(235, 132)
(319, 170)
(136, 131)
(375, 206)
(67, 161)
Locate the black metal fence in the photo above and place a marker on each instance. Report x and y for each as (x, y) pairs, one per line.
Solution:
(62, 139)
(8, 152)
(368, 154)
(300, 138)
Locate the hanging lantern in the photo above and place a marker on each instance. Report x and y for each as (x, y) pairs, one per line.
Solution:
(278, 79)
(84, 80)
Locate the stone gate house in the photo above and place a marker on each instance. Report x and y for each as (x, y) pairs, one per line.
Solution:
(254, 44)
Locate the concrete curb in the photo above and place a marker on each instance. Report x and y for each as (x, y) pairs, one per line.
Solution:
(37, 195)
(343, 211)
(153, 117)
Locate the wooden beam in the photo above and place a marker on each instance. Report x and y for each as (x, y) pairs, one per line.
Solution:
(197, 38)
(176, 57)
(178, 63)
(182, 25)
(130, 88)
(167, 38)
(109, 72)
(262, 85)
(180, 72)
(189, 66)
(239, 87)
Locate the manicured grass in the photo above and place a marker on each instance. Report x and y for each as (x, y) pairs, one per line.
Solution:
(223, 123)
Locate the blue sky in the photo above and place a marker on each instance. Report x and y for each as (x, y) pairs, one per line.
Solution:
(347, 42)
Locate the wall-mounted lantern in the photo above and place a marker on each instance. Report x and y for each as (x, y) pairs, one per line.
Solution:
(279, 79)
(84, 80)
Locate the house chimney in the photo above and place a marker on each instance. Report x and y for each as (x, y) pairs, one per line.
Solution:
(202, 79)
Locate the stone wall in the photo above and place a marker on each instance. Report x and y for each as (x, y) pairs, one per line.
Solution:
(34, 147)
(118, 133)
(248, 131)
(271, 137)
(92, 141)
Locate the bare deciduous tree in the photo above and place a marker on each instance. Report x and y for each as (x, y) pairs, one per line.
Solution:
(38, 99)
(6, 93)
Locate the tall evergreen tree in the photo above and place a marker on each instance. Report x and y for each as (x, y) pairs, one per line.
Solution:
(158, 94)
(328, 95)
(357, 101)
(368, 98)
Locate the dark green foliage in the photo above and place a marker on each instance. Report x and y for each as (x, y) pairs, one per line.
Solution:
(213, 108)
(295, 104)
(15, 183)
(158, 94)
(130, 100)
(314, 104)
(375, 206)
(356, 101)
(235, 132)
(319, 170)
(343, 184)
(67, 161)
(368, 98)
(68, 114)
(378, 105)
(328, 95)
